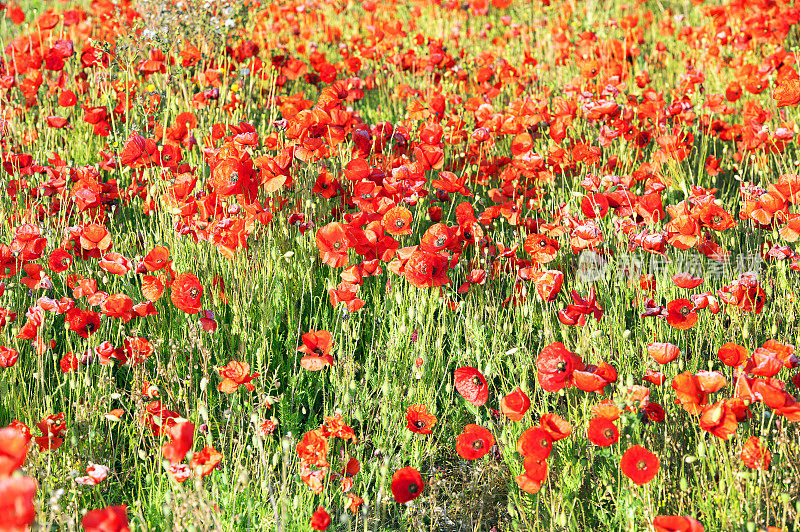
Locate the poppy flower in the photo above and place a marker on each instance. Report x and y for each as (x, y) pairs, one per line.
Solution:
(17, 496)
(181, 437)
(83, 322)
(639, 465)
(332, 243)
(515, 404)
(663, 353)
(541, 248)
(59, 260)
(602, 432)
(205, 460)
(528, 483)
(681, 314)
(472, 386)
(732, 354)
(655, 412)
(397, 221)
(676, 523)
(110, 519)
(157, 259)
(13, 450)
(8, 357)
(236, 374)
(535, 442)
(557, 427)
(316, 348)
(419, 420)
(787, 93)
(425, 269)
(719, 419)
(686, 280)
(320, 519)
(406, 484)
(548, 284)
(474, 442)
(555, 365)
(187, 293)
(755, 455)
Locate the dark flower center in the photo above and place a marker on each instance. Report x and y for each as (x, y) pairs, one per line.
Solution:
(193, 293)
(544, 443)
(337, 245)
(440, 242)
(413, 488)
(419, 424)
(477, 444)
(399, 223)
(476, 381)
(562, 366)
(641, 465)
(608, 433)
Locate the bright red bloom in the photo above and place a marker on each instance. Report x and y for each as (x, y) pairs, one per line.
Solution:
(206, 460)
(406, 485)
(732, 354)
(181, 438)
(418, 419)
(17, 510)
(719, 419)
(236, 374)
(474, 442)
(535, 442)
(676, 523)
(663, 353)
(755, 455)
(317, 348)
(320, 519)
(110, 519)
(602, 432)
(681, 314)
(187, 293)
(472, 386)
(13, 450)
(8, 357)
(555, 365)
(558, 427)
(639, 465)
(333, 244)
(515, 404)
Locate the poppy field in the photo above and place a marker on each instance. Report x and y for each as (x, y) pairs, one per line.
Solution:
(359, 265)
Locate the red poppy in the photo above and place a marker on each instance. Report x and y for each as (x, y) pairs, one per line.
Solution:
(397, 221)
(536, 443)
(59, 260)
(110, 519)
(639, 465)
(755, 455)
(152, 287)
(732, 354)
(206, 460)
(719, 419)
(332, 243)
(425, 269)
(316, 348)
(320, 519)
(187, 293)
(555, 365)
(156, 259)
(418, 419)
(236, 374)
(558, 427)
(17, 497)
(787, 93)
(541, 248)
(676, 523)
(663, 353)
(13, 450)
(548, 284)
(602, 432)
(181, 437)
(83, 322)
(406, 484)
(681, 314)
(515, 404)
(472, 386)
(8, 357)
(474, 442)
